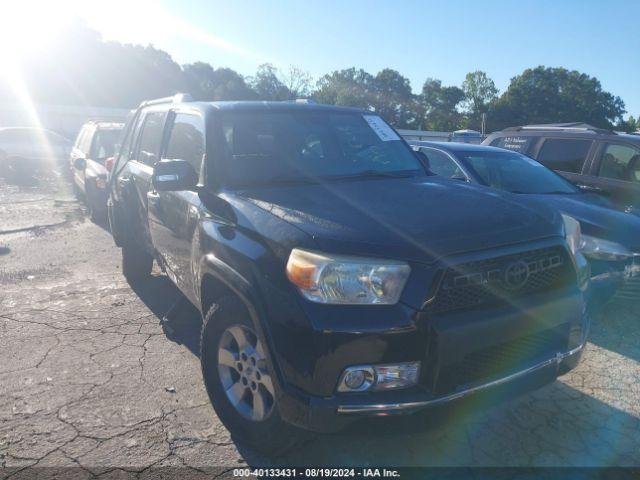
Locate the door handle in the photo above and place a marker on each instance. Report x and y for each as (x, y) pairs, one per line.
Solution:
(153, 196)
(590, 188)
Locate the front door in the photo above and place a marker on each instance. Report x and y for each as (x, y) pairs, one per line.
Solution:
(173, 216)
(135, 178)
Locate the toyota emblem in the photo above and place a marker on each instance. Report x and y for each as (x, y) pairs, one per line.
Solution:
(516, 275)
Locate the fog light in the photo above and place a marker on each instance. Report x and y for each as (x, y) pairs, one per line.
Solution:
(356, 379)
(379, 377)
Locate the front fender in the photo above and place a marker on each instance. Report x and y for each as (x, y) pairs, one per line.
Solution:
(248, 293)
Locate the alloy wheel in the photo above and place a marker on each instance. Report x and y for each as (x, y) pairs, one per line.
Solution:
(242, 368)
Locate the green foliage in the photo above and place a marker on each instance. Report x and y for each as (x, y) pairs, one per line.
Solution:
(81, 69)
(479, 91)
(549, 95)
(630, 125)
(268, 86)
(440, 106)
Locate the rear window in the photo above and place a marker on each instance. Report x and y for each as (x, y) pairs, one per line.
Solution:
(105, 142)
(515, 143)
(564, 155)
(270, 147)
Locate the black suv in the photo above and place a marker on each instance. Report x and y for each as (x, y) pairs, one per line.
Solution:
(594, 159)
(335, 276)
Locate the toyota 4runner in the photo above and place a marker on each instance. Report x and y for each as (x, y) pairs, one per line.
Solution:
(336, 277)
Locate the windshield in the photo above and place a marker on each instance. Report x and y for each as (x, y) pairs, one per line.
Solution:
(105, 143)
(514, 172)
(270, 147)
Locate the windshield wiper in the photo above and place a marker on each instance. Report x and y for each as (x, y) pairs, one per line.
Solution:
(286, 179)
(553, 192)
(372, 174)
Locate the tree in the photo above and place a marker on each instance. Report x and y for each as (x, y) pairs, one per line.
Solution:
(268, 86)
(479, 91)
(630, 125)
(550, 95)
(298, 82)
(351, 87)
(199, 79)
(387, 93)
(393, 98)
(205, 83)
(440, 106)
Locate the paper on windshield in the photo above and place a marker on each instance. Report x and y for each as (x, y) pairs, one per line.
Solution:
(384, 131)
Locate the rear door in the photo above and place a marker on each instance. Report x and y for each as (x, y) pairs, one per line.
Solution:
(616, 170)
(173, 216)
(567, 156)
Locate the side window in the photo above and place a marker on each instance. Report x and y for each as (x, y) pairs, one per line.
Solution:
(186, 141)
(128, 142)
(151, 138)
(80, 137)
(85, 142)
(441, 164)
(516, 143)
(564, 155)
(621, 162)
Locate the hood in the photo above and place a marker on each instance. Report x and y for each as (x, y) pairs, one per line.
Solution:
(595, 218)
(419, 219)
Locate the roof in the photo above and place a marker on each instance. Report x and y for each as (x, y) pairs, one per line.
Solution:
(108, 125)
(278, 106)
(567, 126)
(455, 146)
(292, 105)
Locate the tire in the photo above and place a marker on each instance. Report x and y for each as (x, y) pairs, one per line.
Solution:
(136, 262)
(269, 435)
(96, 214)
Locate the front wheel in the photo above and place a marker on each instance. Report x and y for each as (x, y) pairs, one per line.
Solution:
(136, 262)
(239, 382)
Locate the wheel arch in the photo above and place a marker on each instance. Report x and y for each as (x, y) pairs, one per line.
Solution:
(219, 279)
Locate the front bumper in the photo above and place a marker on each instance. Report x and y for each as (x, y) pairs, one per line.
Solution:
(443, 345)
(620, 279)
(562, 362)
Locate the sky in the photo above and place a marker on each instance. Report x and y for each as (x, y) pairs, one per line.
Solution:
(420, 39)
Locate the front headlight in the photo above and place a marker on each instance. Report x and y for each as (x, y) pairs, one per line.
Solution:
(572, 233)
(345, 280)
(601, 249)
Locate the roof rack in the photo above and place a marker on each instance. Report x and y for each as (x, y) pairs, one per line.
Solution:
(177, 98)
(563, 127)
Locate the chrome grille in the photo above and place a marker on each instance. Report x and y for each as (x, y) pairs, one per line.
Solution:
(498, 280)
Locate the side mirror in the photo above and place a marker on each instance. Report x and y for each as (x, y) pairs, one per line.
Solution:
(174, 175)
(79, 164)
(423, 158)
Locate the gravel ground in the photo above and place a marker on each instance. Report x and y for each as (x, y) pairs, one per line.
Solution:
(90, 380)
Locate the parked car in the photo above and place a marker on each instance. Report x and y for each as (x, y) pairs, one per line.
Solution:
(96, 142)
(328, 290)
(25, 151)
(611, 239)
(594, 159)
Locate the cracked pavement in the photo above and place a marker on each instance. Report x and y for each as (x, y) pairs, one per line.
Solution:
(90, 380)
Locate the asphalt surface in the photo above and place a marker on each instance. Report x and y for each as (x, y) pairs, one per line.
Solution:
(90, 380)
